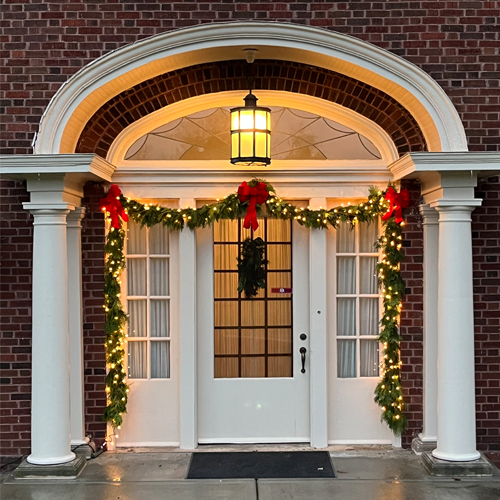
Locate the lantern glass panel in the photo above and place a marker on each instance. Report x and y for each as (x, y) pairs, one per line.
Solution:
(235, 120)
(246, 144)
(260, 119)
(235, 146)
(246, 119)
(260, 144)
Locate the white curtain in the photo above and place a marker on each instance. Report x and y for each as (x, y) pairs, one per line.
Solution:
(160, 359)
(137, 359)
(369, 358)
(346, 358)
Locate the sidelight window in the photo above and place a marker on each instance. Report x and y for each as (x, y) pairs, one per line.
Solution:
(148, 301)
(358, 304)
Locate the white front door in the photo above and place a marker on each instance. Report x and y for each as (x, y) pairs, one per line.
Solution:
(251, 388)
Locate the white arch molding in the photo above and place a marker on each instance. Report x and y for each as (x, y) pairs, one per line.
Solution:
(84, 93)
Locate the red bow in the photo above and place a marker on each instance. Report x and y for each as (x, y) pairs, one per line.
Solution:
(257, 195)
(112, 205)
(398, 201)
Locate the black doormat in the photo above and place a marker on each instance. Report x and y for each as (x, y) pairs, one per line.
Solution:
(258, 464)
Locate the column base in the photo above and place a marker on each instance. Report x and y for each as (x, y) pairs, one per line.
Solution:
(68, 470)
(418, 446)
(443, 468)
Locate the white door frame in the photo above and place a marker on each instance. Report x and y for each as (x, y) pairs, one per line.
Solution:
(317, 334)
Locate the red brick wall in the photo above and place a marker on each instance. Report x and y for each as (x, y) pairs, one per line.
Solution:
(93, 312)
(486, 256)
(412, 314)
(16, 250)
(46, 42)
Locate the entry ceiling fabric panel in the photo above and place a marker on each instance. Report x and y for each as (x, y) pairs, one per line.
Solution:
(296, 135)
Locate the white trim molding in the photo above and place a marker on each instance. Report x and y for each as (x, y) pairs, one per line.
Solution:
(85, 92)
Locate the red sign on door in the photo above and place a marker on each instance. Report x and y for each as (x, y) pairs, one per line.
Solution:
(281, 290)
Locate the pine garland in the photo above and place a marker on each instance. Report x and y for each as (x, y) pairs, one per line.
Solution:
(388, 393)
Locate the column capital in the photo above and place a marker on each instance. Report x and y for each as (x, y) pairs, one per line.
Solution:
(429, 214)
(40, 208)
(75, 217)
(446, 206)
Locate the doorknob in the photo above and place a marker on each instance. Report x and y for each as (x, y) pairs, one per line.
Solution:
(303, 351)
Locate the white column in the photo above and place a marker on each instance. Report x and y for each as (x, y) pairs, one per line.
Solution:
(74, 236)
(50, 411)
(456, 436)
(318, 333)
(187, 336)
(430, 344)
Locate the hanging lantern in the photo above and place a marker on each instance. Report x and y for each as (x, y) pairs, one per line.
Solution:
(251, 134)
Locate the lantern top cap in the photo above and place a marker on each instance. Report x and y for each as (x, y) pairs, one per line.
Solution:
(250, 100)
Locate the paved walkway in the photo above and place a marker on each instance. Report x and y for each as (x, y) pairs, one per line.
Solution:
(367, 474)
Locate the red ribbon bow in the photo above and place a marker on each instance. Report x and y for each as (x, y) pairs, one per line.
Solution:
(257, 195)
(112, 205)
(398, 201)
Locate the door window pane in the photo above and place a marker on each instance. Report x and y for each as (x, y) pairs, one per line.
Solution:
(346, 316)
(137, 359)
(346, 242)
(346, 358)
(158, 278)
(346, 275)
(368, 274)
(137, 325)
(369, 358)
(368, 235)
(159, 318)
(160, 359)
(136, 242)
(136, 277)
(158, 240)
(368, 316)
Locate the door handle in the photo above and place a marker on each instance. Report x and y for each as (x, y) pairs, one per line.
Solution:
(303, 351)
